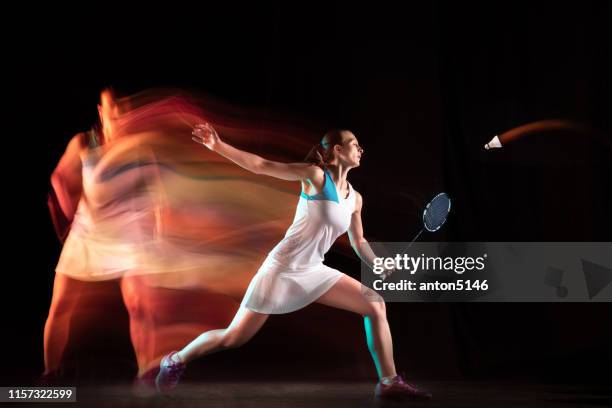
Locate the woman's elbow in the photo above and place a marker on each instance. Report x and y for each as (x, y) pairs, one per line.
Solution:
(258, 167)
(357, 242)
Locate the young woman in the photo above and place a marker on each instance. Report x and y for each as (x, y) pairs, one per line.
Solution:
(73, 218)
(293, 275)
(101, 212)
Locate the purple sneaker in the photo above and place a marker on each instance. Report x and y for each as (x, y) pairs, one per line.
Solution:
(170, 372)
(400, 389)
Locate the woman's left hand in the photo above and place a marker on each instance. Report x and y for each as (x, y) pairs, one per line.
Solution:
(205, 134)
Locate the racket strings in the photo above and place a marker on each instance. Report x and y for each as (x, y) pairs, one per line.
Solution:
(436, 212)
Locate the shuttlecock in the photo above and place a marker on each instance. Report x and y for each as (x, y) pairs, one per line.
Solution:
(493, 144)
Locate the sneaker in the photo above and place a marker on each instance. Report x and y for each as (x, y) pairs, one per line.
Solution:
(170, 372)
(398, 388)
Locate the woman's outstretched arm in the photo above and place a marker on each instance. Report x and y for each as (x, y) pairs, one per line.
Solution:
(205, 134)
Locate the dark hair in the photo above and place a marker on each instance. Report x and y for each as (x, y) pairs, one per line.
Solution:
(321, 153)
(123, 104)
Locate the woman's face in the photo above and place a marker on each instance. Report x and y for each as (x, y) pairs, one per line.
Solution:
(109, 113)
(349, 153)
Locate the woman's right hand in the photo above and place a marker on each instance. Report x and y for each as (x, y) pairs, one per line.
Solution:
(205, 134)
(386, 273)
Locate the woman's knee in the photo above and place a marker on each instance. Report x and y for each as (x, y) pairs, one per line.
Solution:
(65, 295)
(62, 306)
(377, 310)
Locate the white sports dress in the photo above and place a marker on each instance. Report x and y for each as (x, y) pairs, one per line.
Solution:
(114, 224)
(293, 274)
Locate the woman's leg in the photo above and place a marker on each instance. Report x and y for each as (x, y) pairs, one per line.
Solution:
(242, 328)
(137, 299)
(349, 294)
(66, 293)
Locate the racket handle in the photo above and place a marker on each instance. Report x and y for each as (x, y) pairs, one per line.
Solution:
(415, 238)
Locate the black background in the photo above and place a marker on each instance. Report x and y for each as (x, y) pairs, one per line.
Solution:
(423, 88)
